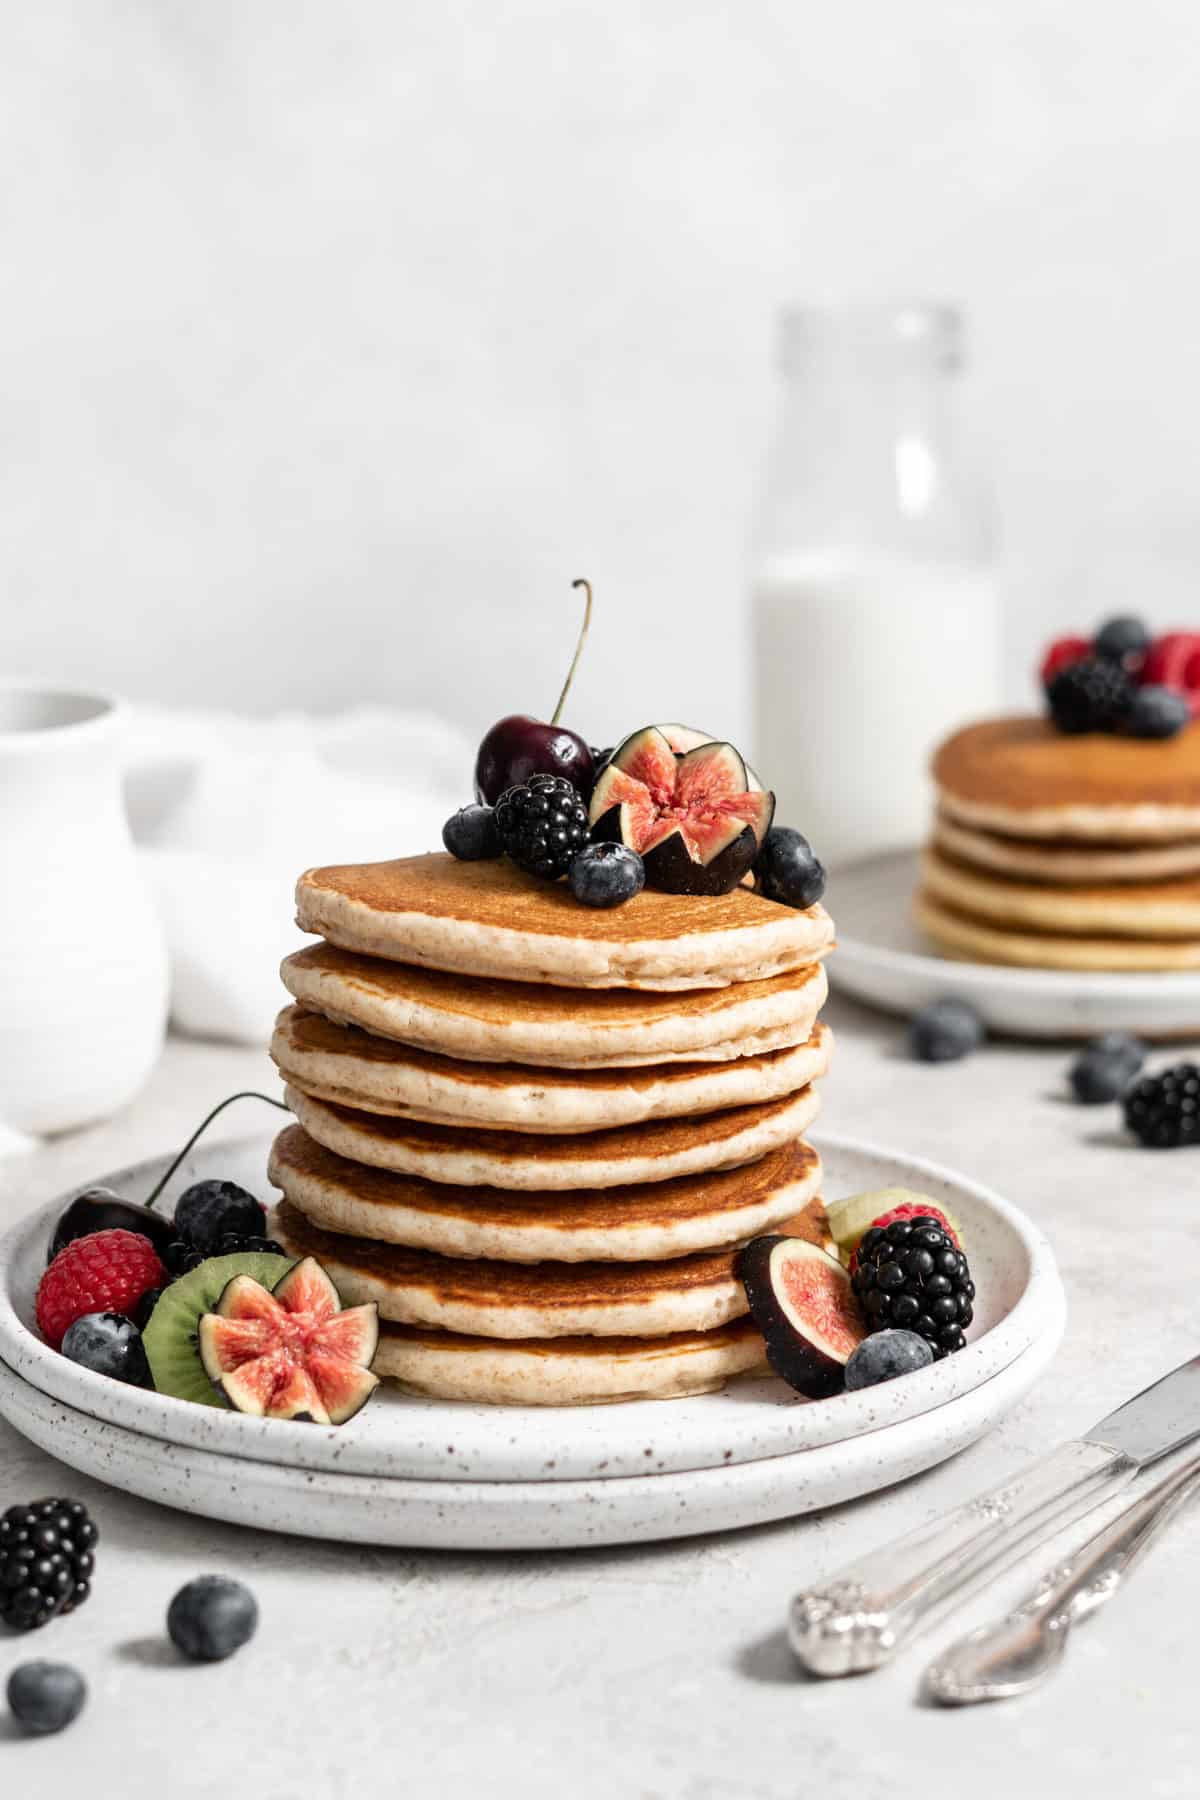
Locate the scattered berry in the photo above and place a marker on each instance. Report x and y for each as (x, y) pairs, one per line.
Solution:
(45, 1697)
(1062, 653)
(911, 1275)
(1105, 1067)
(211, 1210)
(1158, 712)
(212, 1617)
(543, 825)
(99, 1209)
(606, 875)
(1174, 661)
(884, 1355)
(108, 1344)
(1123, 640)
(108, 1272)
(945, 1031)
(787, 869)
(471, 835)
(181, 1258)
(1094, 695)
(1163, 1111)
(46, 1561)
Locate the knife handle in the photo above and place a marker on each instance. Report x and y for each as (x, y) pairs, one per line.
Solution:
(870, 1610)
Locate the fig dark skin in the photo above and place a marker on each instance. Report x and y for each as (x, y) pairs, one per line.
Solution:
(520, 746)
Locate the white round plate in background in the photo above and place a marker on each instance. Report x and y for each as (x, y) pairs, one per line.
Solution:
(883, 958)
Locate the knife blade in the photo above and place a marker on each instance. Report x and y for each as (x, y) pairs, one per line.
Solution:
(860, 1618)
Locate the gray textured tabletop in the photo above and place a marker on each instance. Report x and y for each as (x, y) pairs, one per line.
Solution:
(660, 1670)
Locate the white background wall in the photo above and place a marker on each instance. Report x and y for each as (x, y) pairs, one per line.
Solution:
(336, 338)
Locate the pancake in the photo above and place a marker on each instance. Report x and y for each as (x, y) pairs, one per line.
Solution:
(1068, 864)
(658, 1151)
(348, 1067)
(510, 1300)
(1023, 777)
(621, 1224)
(1165, 909)
(490, 919)
(566, 1371)
(511, 1021)
(959, 936)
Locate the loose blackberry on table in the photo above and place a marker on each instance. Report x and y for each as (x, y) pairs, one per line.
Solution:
(911, 1276)
(543, 825)
(1163, 1111)
(46, 1561)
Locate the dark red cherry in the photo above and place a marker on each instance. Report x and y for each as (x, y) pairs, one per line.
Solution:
(100, 1210)
(520, 746)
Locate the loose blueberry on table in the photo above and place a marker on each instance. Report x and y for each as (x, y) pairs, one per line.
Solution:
(45, 1697)
(212, 1617)
(945, 1031)
(1105, 1068)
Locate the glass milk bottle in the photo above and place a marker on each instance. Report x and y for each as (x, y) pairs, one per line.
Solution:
(877, 616)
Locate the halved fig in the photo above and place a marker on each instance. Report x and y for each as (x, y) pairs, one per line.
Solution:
(802, 1302)
(695, 817)
(294, 1353)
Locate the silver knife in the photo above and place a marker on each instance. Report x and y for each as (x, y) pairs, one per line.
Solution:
(873, 1608)
(1015, 1653)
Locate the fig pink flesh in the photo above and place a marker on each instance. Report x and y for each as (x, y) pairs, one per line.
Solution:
(293, 1351)
(818, 1291)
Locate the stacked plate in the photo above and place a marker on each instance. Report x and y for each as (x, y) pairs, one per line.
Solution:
(409, 1471)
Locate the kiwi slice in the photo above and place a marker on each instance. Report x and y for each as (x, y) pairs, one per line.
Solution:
(171, 1337)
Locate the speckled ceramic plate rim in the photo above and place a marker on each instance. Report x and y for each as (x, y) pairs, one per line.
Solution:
(517, 1515)
(400, 1436)
(1040, 1003)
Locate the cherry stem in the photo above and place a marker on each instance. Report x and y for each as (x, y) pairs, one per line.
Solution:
(249, 1094)
(583, 631)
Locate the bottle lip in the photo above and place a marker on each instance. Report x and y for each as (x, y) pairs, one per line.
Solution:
(934, 327)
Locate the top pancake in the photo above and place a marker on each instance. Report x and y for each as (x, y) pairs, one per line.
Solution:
(491, 919)
(1024, 777)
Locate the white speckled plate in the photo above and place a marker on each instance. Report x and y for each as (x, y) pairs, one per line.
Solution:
(884, 959)
(1018, 1306)
(516, 1515)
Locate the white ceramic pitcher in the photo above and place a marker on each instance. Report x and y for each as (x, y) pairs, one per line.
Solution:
(83, 968)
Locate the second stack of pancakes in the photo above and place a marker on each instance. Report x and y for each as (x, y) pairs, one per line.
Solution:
(538, 1134)
(1065, 852)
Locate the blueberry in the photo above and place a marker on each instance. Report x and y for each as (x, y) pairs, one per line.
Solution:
(98, 1209)
(1122, 638)
(1106, 1067)
(884, 1355)
(606, 875)
(212, 1617)
(787, 869)
(109, 1344)
(45, 1697)
(1158, 712)
(945, 1031)
(211, 1210)
(470, 834)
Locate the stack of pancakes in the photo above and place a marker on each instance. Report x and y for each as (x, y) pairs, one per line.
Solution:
(1065, 852)
(537, 1134)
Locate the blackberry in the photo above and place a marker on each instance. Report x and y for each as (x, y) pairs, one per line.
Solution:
(210, 1210)
(912, 1276)
(181, 1259)
(543, 825)
(46, 1561)
(1092, 695)
(1163, 1111)
(232, 1245)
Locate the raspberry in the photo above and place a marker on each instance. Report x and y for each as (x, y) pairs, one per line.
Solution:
(913, 1209)
(107, 1272)
(1062, 653)
(1174, 661)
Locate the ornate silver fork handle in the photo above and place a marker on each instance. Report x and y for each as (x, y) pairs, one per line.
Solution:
(1015, 1653)
(871, 1609)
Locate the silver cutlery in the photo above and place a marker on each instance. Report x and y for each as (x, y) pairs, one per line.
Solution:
(1017, 1652)
(870, 1610)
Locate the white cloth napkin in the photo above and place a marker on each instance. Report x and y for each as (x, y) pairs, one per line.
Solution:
(228, 811)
